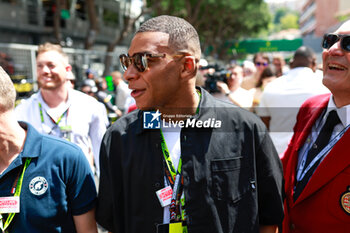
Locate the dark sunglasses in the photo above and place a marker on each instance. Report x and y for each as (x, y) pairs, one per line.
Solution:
(330, 39)
(261, 63)
(138, 59)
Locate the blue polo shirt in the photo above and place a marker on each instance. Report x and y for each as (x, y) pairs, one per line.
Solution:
(57, 184)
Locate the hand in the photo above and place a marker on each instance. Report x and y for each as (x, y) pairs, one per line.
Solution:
(118, 112)
(223, 88)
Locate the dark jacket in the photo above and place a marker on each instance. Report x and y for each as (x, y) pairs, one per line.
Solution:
(232, 174)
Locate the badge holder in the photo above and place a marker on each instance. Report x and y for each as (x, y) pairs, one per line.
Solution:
(66, 132)
(170, 228)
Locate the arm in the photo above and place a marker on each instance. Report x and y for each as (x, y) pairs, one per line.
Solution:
(81, 191)
(85, 223)
(270, 183)
(223, 87)
(110, 187)
(268, 229)
(96, 132)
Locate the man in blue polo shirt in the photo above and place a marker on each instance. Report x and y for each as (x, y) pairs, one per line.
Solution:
(46, 184)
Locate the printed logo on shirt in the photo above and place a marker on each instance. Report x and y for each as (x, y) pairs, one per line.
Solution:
(151, 120)
(38, 185)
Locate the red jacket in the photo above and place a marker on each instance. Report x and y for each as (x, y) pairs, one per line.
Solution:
(324, 204)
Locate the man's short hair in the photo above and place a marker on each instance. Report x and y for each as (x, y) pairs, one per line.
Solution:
(232, 67)
(304, 57)
(7, 92)
(52, 47)
(305, 52)
(183, 37)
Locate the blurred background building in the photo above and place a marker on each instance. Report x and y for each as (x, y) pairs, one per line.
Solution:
(37, 21)
(318, 17)
(85, 28)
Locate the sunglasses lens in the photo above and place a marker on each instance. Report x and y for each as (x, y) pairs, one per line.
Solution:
(124, 61)
(261, 64)
(139, 62)
(345, 43)
(329, 40)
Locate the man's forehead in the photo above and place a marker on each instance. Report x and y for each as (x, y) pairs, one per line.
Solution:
(149, 42)
(238, 69)
(344, 28)
(50, 56)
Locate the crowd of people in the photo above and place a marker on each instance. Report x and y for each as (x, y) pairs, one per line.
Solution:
(257, 148)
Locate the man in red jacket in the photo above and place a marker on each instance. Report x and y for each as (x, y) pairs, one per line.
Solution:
(316, 163)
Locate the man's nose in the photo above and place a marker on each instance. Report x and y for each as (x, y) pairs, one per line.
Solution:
(131, 73)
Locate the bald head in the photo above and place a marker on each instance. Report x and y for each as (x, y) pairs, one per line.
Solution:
(344, 27)
(304, 57)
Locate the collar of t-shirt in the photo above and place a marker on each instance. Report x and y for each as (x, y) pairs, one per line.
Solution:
(56, 112)
(172, 139)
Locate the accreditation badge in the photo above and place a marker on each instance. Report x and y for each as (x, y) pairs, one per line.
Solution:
(66, 131)
(170, 228)
(345, 200)
(164, 196)
(9, 205)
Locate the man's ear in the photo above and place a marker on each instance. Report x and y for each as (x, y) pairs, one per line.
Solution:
(314, 65)
(68, 68)
(189, 67)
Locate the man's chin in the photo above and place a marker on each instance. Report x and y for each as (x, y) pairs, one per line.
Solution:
(144, 107)
(49, 87)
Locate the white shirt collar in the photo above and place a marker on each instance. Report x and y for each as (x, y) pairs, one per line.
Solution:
(343, 112)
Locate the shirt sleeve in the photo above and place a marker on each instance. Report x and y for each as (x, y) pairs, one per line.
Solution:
(270, 182)
(81, 189)
(96, 132)
(109, 211)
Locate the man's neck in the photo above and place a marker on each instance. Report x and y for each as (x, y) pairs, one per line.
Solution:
(54, 98)
(341, 102)
(234, 87)
(183, 108)
(12, 138)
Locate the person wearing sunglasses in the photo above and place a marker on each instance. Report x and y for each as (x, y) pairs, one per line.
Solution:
(316, 162)
(161, 174)
(261, 61)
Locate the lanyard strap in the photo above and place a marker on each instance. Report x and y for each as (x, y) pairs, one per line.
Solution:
(168, 161)
(176, 180)
(17, 194)
(320, 155)
(200, 97)
(53, 121)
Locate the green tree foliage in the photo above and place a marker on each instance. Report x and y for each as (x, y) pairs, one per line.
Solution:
(217, 21)
(289, 21)
(279, 14)
(284, 18)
